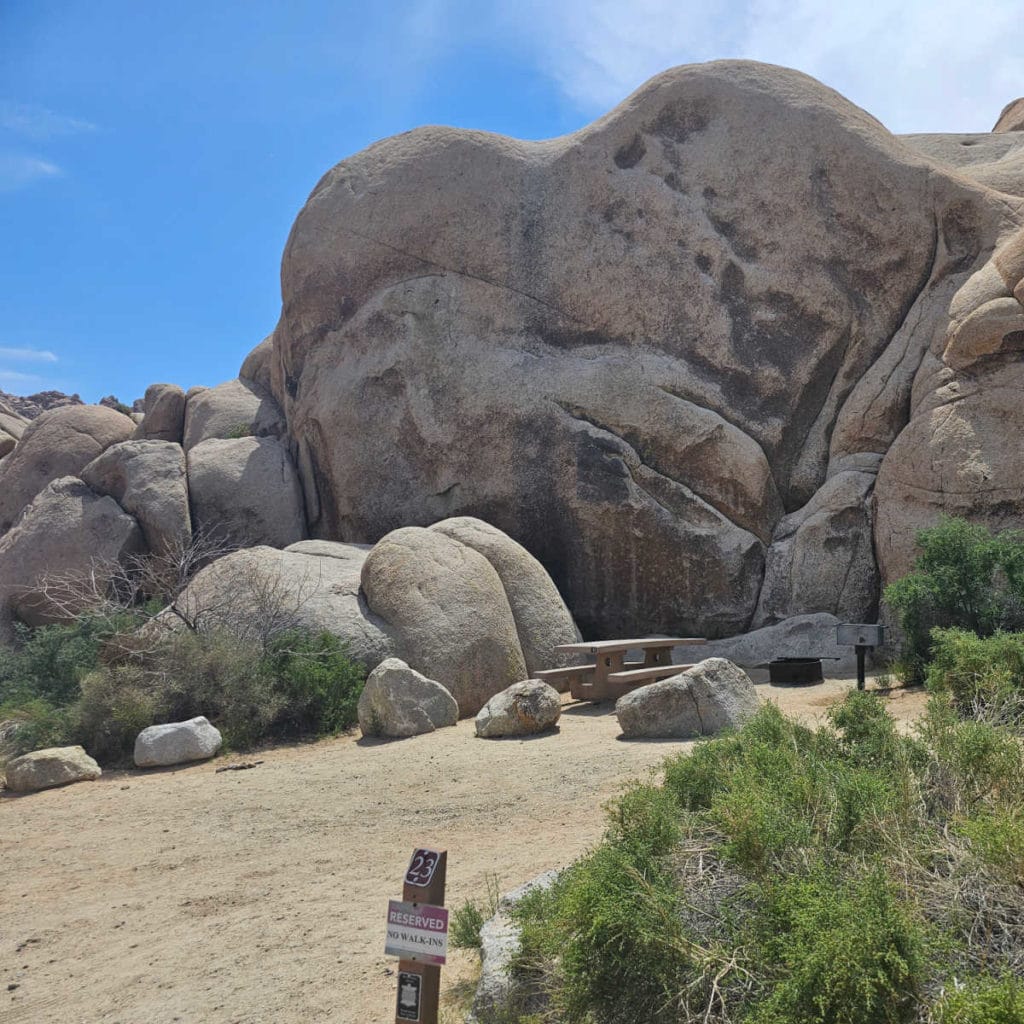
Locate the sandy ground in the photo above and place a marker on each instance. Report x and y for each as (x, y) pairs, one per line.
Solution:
(260, 896)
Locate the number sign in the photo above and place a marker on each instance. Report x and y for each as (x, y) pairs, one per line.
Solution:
(422, 868)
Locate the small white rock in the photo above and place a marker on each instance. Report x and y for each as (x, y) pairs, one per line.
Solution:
(176, 743)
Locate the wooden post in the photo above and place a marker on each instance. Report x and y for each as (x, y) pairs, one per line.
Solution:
(419, 984)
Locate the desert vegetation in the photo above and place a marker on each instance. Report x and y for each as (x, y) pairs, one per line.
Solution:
(783, 874)
(848, 873)
(136, 652)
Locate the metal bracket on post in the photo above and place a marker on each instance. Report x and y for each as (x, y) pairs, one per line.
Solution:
(862, 637)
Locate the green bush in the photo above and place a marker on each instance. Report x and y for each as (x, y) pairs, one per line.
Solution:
(837, 949)
(83, 683)
(319, 687)
(998, 838)
(644, 820)
(48, 663)
(978, 672)
(468, 919)
(115, 705)
(964, 577)
(982, 1001)
(784, 875)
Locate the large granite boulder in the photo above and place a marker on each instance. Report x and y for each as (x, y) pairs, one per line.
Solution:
(57, 443)
(55, 766)
(147, 479)
(702, 701)
(312, 585)
(633, 349)
(247, 489)
(445, 606)
(801, 636)
(12, 426)
(258, 365)
(521, 710)
(163, 409)
(176, 743)
(953, 457)
(542, 619)
(1012, 117)
(397, 701)
(236, 408)
(822, 556)
(67, 531)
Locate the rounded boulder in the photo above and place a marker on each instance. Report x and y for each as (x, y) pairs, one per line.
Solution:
(55, 766)
(398, 702)
(176, 743)
(521, 710)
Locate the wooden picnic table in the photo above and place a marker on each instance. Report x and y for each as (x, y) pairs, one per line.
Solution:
(611, 676)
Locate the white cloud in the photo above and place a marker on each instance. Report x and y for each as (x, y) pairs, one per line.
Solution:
(18, 171)
(29, 355)
(14, 377)
(38, 123)
(916, 66)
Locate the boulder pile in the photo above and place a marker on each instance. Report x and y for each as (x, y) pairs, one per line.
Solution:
(702, 367)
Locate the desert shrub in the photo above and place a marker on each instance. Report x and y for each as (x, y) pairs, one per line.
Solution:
(979, 673)
(645, 821)
(982, 1000)
(84, 683)
(837, 949)
(965, 577)
(468, 919)
(786, 875)
(49, 662)
(998, 838)
(972, 763)
(39, 724)
(624, 955)
(115, 705)
(318, 685)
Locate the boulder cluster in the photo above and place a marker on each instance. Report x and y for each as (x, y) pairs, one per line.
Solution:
(703, 367)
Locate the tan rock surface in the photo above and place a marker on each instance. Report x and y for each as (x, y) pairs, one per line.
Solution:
(541, 617)
(246, 488)
(1012, 117)
(633, 349)
(67, 529)
(446, 608)
(233, 409)
(312, 585)
(45, 769)
(164, 414)
(57, 443)
(147, 479)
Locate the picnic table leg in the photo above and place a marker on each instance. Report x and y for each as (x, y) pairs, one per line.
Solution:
(605, 664)
(657, 656)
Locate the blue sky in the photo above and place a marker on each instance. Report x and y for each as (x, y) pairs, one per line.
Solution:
(154, 155)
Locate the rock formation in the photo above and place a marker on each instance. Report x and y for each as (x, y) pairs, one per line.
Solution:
(439, 603)
(668, 353)
(708, 364)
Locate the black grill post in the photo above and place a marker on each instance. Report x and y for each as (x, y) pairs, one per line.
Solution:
(862, 637)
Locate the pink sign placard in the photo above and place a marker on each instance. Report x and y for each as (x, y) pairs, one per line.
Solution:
(417, 931)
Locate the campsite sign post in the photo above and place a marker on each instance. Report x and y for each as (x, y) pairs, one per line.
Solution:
(417, 933)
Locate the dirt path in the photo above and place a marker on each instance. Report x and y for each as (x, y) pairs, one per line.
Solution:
(259, 896)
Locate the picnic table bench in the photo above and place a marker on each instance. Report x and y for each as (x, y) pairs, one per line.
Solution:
(610, 676)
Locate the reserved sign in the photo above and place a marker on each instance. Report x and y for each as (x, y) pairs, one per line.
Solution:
(417, 931)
